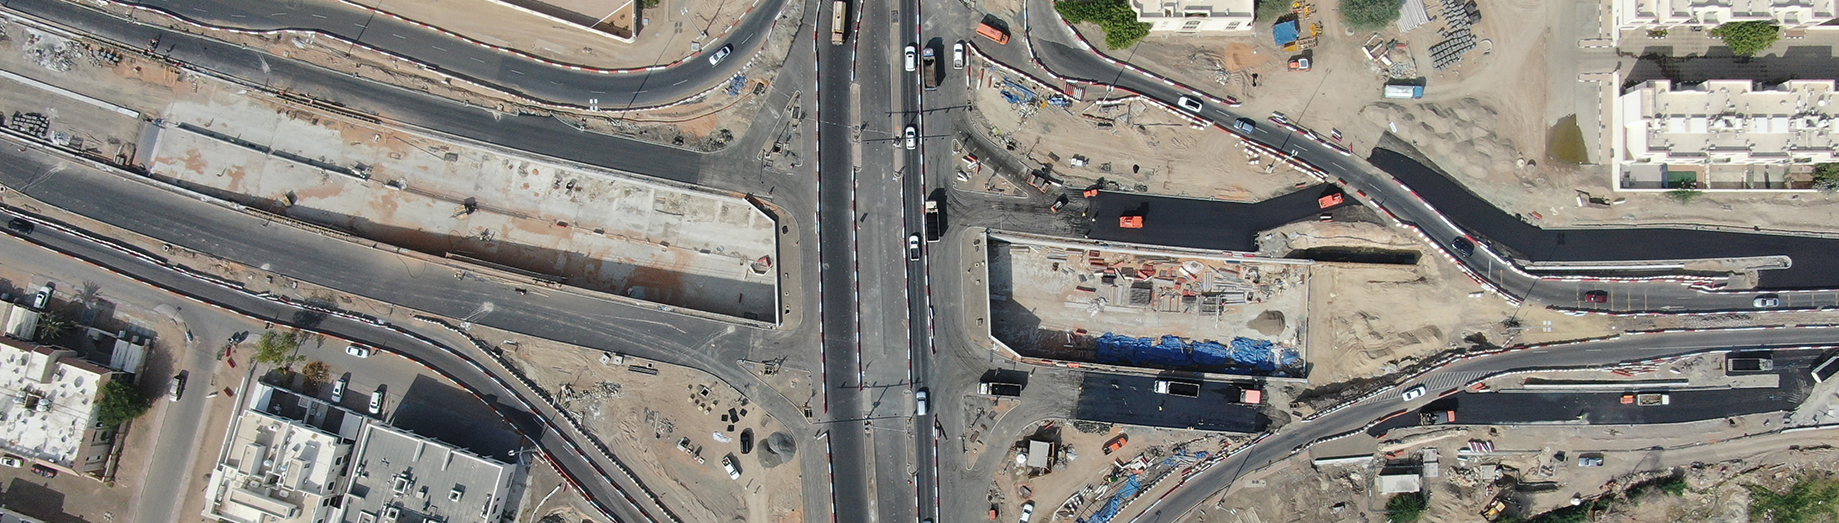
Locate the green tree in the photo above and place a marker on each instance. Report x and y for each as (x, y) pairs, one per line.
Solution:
(1270, 10)
(1748, 38)
(1406, 508)
(1115, 17)
(1370, 15)
(1826, 177)
(277, 348)
(120, 403)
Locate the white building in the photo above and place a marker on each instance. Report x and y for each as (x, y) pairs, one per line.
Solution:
(1195, 16)
(1723, 133)
(1663, 14)
(48, 413)
(21, 321)
(276, 470)
(399, 476)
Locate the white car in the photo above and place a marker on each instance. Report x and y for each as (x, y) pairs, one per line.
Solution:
(912, 61)
(338, 389)
(175, 388)
(919, 402)
(42, 298)
(1027, 511)
(734, 471)
(1768, 300)
(376, 401)
(913, 247)
(12, 461)
(1414, 393)
(721, 54)
(357, 352)
(1192, 105)
(957, 55)
(912, 135)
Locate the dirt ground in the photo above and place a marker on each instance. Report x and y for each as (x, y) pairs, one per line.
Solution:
(644, 417)
(673, 30)
(1142, 147)
(1081, 485)
(1370, 319)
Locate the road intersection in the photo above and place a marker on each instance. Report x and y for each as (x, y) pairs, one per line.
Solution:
(883, 334)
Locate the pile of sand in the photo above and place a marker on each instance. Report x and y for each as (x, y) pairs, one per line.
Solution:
(1459, 136)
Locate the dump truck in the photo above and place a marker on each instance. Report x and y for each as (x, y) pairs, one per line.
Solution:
(839, 21)
(991, 32)
(1404, 91)
(996, 388)
(1647, 399)
(1186, 389)
(935, 223)
(1437, 418)
(1748, 365)
(929, 67)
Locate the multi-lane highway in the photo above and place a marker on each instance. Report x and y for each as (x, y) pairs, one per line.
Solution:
(877, 309)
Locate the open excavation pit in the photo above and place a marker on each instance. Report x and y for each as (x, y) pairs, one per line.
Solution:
(549, 221)
(1141, 307)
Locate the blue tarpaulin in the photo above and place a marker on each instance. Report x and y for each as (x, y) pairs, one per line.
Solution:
(1172, 352)
(1286, 32)
(1124, 493)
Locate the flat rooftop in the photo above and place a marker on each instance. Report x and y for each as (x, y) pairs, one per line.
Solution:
(586, 227)
(399, 472)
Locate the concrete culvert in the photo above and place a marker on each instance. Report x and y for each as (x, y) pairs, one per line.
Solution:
(777, 449)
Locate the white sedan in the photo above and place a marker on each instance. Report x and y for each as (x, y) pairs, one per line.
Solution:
(912, 58)
(1190, 104)
(358, 352)
(912, 135)
(1414, 393)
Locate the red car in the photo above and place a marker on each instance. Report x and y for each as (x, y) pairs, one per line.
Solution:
(1597, 296)
(44, 471)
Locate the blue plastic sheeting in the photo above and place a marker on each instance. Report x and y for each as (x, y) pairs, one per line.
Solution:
(1286, 32)
(1104, 515)
(1172, 352)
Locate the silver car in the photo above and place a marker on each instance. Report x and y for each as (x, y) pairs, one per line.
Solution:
(721, 54)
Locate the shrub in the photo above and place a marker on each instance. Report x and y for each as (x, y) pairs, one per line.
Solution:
(120, 403)
(1406, 508)
(1826, 177)
(1684, 196)
(1748, 38)
(1115, 17)
(1370, 15)
(277, 348)
(1806, 500)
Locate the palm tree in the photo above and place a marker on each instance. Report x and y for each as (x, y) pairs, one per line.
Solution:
(52, 326)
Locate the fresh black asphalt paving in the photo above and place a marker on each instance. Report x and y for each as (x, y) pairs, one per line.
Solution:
(1132, 400)
(1231, 226)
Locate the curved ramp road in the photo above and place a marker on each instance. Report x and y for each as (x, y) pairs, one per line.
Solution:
(522, 74)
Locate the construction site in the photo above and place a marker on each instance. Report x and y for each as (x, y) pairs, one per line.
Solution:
(1084, 302)
(1089, 471)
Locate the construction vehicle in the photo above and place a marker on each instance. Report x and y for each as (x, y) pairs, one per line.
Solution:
(1116, 443)
(1647, 400)
(992, 33)
(935, 223)
(1330, 200)
(1186, 389)
(1436, 418)
(839, 21)
(929, 68)
(1299, 64)
(1130, 222)
(993, 388)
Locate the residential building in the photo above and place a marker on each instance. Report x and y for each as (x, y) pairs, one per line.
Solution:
(1723, 134)
(52, 415)
(399, 476)
(21, 321)
(284, 461)
(1705, 14)
(8, 516)
(1195, 16)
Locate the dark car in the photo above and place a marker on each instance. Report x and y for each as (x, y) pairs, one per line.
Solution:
(44, 471)
(20, 225)
(1463, 247)
(1596, 296)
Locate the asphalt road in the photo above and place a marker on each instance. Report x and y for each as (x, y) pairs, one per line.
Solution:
(513, 73)
(178, 426)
